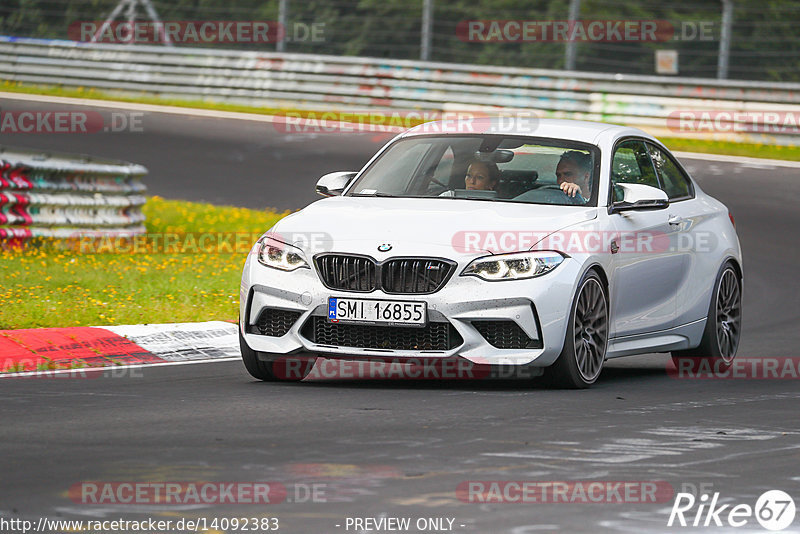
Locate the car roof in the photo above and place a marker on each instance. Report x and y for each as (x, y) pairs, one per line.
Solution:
(572, 130)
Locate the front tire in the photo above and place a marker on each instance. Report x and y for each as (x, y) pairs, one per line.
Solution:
(723, 324)
(283, 370)
(581, 360)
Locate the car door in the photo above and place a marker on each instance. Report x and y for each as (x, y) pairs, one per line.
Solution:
(646, 273)
(689, 238)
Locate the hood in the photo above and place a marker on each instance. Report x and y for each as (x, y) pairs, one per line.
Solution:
(441, 227)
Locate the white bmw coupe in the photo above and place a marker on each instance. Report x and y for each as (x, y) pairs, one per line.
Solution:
(549, 247)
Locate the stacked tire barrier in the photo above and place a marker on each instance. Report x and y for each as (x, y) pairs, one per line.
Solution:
(67, 196)
(277, 80)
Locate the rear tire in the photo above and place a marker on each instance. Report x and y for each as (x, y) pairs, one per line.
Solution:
(586, 341)
(282, 370)
(723, 324)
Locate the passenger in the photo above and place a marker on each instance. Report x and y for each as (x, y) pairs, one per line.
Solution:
(482, 175)
(573, 173)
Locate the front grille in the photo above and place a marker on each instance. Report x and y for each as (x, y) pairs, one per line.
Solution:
(347, 273)
(274, 323)
(414, 275)
(433, 336)
(398, 276)
(505, 335)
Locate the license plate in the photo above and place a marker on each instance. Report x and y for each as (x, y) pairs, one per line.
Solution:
(366, 311)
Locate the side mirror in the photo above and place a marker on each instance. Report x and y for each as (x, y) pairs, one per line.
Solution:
(334, 183)
(638, 197)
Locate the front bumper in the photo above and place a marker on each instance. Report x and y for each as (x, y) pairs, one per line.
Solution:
(539, 306)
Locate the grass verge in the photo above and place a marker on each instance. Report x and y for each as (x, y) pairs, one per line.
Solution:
(728, 148)
(196, 279)
(725, 148)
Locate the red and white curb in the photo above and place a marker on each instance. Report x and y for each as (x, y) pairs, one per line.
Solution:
(68, 350)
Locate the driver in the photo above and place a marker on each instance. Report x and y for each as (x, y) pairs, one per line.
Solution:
(573, 173)
(482, 175)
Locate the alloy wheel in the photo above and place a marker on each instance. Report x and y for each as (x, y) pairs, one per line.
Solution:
(590, 328)
(729, 315)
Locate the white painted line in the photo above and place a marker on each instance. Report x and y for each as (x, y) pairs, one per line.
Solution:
(195, 112)
(88, 370)
(189, 112)
(133, 106)
(761, 162)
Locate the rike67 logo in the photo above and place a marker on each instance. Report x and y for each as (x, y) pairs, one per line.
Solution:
(774, 510)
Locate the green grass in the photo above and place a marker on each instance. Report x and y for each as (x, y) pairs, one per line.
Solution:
(141, 98)
(674, 143)
(47, 286)
(791, 153)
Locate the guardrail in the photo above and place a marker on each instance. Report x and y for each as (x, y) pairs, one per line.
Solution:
(68, 196)
(272, 79)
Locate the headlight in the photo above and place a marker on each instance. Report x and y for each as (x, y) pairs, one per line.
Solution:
(278, 255)
(516, 266)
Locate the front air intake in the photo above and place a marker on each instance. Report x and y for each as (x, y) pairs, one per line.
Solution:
(274, 323)
(432, 337)
(505, 335)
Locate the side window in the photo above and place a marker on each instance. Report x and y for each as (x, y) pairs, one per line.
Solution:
(675, 183)
(631, 165)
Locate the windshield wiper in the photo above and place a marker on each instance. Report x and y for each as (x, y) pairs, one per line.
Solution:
(375, 194)
(482, 199)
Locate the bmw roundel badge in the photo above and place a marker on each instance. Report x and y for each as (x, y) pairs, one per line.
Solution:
(385, 247)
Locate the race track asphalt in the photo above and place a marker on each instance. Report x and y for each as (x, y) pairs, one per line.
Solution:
(390, 448)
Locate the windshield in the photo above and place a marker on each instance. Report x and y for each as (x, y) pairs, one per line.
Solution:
(488, 168)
